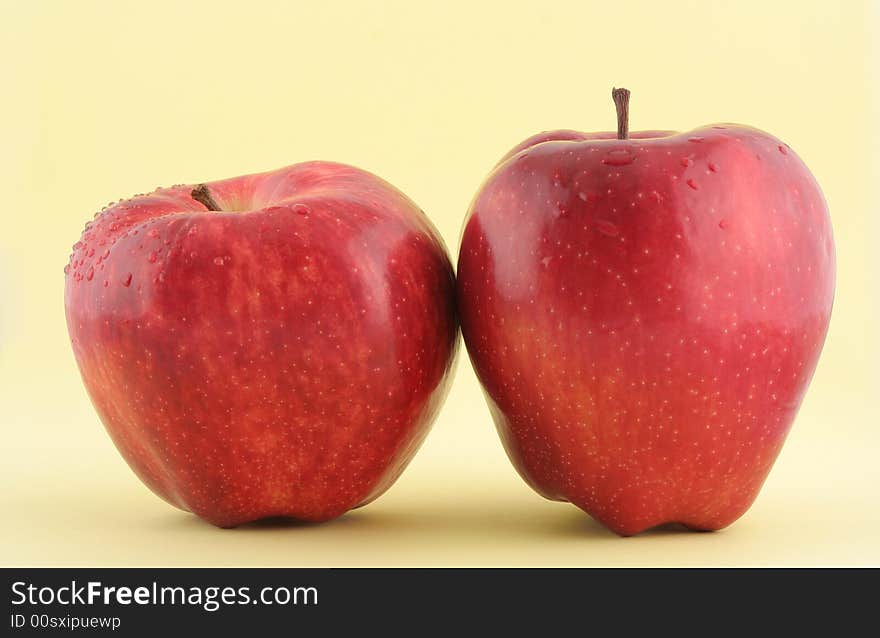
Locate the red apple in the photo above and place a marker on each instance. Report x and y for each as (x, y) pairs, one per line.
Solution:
(645, 313)
(270, 345)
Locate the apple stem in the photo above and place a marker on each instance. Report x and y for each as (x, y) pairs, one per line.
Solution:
(203, 196)
(621, 101)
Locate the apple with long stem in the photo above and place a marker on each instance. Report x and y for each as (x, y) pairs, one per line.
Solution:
(269, 345)
(645, 312)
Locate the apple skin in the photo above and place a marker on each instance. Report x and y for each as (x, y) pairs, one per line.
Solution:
(645, 316)
(284, 356)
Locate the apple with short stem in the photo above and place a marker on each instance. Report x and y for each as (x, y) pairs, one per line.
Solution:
(273, 345)
(645, 312)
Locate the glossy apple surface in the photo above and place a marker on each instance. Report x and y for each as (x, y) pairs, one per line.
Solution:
(284, 355)
(645, 315)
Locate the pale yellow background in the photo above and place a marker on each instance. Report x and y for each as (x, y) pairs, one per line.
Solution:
(104, 100)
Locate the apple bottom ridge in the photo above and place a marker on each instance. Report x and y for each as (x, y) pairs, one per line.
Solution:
(635, 524)
(644, 505)
(289, 515)
(683, 524)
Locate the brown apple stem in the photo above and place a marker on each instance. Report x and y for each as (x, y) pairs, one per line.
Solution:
(203, 196)
(621, 101)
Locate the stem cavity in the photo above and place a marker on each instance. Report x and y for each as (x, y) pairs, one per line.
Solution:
(203, 196)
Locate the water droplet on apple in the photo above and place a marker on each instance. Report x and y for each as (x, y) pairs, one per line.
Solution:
(607, 228)
(723, 224)
(152, 257)
(696, 139)
(106, 283)
(127, 280)
(782, 149)
(90, 274)
(686, 161)
(712, 167)
(301, 209)
(693, 184)
(67, 269)
(618, 157)
(218, 261)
